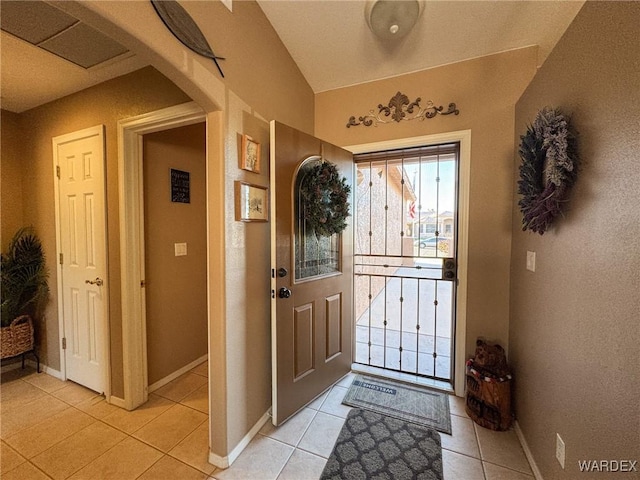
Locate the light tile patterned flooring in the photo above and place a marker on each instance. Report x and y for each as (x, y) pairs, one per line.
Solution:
(56, 430)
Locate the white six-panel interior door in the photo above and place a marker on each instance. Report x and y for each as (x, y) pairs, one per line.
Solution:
(82, 257)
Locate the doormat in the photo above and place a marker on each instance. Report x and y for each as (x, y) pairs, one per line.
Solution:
(411, 403)
(371, 445)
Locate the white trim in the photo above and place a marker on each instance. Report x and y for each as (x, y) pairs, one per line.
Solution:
(116, 401)
(32, 363)
(527, 452)
(12, 366)
(464, 137)
(105, 361)
(218, 461)
(226, 462)
(134, 338)
(169, 378)
(272, 234)
(46, 369)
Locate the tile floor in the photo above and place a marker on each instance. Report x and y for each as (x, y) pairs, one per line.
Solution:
(56, 430)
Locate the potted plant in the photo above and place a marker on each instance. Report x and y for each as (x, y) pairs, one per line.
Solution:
(24, 291)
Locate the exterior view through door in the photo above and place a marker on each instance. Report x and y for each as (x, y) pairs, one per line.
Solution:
(405, 260)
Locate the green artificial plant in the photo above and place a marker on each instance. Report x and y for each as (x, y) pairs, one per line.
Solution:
(24, 274)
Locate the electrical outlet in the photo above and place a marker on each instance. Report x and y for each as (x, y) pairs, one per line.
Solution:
(531, 261)
(560, 450)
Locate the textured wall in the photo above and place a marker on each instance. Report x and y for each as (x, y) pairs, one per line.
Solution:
(176, 287)
(575, 322)
(259, 70)
(11, 161)
(141, 91)
(261, 82)
(485, 90)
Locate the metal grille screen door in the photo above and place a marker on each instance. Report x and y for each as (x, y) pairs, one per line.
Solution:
(405, 259)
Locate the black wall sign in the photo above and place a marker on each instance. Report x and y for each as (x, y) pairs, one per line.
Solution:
(180, 188)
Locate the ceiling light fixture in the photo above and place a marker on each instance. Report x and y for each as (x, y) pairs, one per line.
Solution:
(392, 19)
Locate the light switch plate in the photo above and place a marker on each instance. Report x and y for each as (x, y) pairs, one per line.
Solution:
(180, 249)
(531, 261)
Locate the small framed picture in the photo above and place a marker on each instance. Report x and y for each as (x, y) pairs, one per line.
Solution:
(250, 154)
(252, 203)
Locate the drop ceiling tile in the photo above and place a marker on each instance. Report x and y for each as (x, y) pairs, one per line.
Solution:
(83, 46)
(33, 21)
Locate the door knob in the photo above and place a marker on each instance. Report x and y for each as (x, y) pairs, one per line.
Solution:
(284, 292)
(98, 281)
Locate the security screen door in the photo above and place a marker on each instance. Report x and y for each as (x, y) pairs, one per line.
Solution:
(405, 259)
(312, 279)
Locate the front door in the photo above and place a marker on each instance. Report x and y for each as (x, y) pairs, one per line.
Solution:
(312, 279)
(79, 162)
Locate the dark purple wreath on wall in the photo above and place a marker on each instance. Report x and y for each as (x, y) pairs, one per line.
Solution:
(548, 170)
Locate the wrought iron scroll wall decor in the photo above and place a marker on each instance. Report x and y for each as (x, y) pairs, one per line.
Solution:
(400, 109)
(185, 29)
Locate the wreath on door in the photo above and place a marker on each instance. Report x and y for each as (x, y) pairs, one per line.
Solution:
(325, 194)
(549, 169)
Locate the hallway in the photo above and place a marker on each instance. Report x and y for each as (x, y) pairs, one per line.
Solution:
(59, 430)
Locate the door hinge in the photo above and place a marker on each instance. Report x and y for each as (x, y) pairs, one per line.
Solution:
(64, 343)
(61, 259)
(58, 171)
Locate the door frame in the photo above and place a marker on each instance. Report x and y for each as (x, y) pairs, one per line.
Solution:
(464, 172)
(106, 360)
(131, 214)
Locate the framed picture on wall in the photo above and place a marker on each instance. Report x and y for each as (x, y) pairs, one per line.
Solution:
(180, 186)
(250, 155)
(252, 202)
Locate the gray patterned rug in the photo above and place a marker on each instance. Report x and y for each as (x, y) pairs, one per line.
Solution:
(376, 447)
(400, 400)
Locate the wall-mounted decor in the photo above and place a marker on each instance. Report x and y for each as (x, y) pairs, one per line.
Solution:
(549, 168)
(325, 198)
(185, 29)
(252, 203)
(401, 109)
(250, 154)
(180, 186)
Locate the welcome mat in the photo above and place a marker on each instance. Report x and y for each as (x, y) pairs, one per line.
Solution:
(400, 400)
(371, 445)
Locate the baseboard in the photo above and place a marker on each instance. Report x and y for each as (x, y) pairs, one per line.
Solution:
(43, 368)
(226, 462)
(46, 369)
(169, 378)
(11, 366)
(117, 401)
(527, 452)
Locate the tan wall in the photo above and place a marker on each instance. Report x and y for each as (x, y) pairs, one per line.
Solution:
(485, 90)
(11, 160)
(261, 82)
(176, 287)
(247, 279)
(575, 331)
(142, 91)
